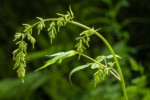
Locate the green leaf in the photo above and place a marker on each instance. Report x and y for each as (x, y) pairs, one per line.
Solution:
(102, 74)
(28, 28)
(107, 70)
(78, 69)
(58, 57)
(41, 19)
(62, 15)
(40, 26)
(68, 53)
(100, 58)
(14, 53)
(111, 64)
(50, 62)
(52, 24)
(60, 23)
(31, 39)
(99, 74)
(18, 36)
(21, 73)
(94, 66)
(111, 56)
(80, 47)
(71, 13)
(67, 17)
(52, 31)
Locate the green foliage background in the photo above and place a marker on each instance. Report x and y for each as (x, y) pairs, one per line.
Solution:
(125, 23)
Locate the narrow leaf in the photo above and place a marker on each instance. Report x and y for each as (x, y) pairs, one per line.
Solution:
(14, 53)
(111, 56)
(41, 19)
(68, 53)
(60, 14)
(50, 62)
(78, 69)
(56, 54)
(58, 57)
(17, 36)
(72, 15)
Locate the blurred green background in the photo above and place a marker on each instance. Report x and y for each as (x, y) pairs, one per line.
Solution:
(124, 23)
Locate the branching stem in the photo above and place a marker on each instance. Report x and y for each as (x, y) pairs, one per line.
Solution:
(112, 72)
(104, 40)
(112, 52)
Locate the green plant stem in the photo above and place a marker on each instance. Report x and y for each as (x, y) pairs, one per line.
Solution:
(112, 72)
(112, 52)
(105, 41)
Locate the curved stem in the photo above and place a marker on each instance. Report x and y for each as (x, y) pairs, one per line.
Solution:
(106, 43)
(112, 52)
(45, 20)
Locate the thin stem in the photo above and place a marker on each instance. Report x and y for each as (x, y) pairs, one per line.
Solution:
(112, 52)
(115, 74)
(45, 20)
(107, 44)
(91, 59)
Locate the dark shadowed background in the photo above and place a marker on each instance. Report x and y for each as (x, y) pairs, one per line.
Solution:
(124, 23)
